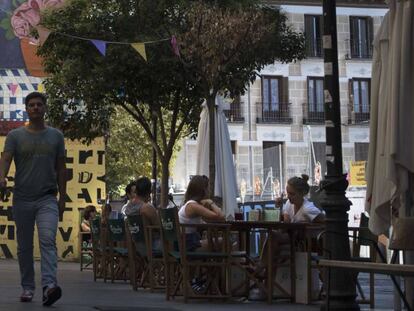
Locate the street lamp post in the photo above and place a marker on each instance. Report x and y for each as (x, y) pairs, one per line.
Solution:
(341, 284)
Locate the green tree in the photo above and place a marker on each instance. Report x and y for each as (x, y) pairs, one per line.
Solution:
(128, 152)
(126, 161)
(85, 87)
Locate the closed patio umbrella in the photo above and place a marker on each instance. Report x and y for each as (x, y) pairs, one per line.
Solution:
(225, 183)
(391, 151)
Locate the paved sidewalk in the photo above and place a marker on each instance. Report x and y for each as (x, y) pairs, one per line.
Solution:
(81, 293)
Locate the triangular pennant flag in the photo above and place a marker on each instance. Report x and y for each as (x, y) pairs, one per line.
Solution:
(43, 34)
(174, 46)
(100, 45)
(140, 48)
(13, 87)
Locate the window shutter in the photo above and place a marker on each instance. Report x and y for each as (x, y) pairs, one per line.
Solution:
(263, 80)
(353, 28)
(351, 94)
(285, 91)
(370, 35)
(309, 34)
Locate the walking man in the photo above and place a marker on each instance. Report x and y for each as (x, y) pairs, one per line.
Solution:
(39, 156)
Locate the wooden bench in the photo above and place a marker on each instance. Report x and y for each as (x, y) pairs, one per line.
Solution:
(373, 267)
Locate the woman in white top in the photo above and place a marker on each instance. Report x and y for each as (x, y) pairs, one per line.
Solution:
(297, 208)
(198, 209)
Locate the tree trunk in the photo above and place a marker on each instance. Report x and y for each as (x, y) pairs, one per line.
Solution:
(211, 104)
(164, 183)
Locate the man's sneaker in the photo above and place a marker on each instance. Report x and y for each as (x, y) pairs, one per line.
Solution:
(26, 296)
(51, 295)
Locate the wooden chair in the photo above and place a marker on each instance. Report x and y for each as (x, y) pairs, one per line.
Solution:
(85, 251)
(179, 262)
(363, 237)
(117, 252)
(84, 247)
(98, 253)
(146, 264)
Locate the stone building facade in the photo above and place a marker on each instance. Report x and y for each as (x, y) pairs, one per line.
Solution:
(277, 128)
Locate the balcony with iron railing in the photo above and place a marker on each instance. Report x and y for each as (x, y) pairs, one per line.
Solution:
(273, 113)
(314, 47)
(312, 117)
(359, 49)
(235, 113)
(358, 117)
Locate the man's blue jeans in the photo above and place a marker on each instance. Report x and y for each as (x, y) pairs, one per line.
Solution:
(45, 213)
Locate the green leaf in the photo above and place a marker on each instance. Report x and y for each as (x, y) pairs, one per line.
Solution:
(5, 23)
(9, 35)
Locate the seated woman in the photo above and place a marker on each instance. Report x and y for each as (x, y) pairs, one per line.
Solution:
(296, 209)
(198, 209)
(140, 205)
(88, 214)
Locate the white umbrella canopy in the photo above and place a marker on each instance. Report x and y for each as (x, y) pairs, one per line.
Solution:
(225, 182)
(391, 151)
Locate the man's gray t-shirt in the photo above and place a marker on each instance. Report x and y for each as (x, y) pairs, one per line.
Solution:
(35, 156)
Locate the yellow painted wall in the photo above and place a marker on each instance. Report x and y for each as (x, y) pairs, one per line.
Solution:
(86, 169)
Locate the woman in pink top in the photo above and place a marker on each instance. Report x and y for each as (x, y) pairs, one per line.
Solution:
(198, 209)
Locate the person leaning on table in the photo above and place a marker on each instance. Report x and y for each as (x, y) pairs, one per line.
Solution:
(296, 209)
(198, 209)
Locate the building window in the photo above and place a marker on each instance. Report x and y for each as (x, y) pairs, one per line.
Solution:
(313, 35)
(360, 99)
(361, 30)
(275, 103)
(361, 151)
(272, 91)
(315, 109)
(232, 108)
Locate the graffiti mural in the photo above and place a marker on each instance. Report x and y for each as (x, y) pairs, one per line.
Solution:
(85, 164)
(19, 23)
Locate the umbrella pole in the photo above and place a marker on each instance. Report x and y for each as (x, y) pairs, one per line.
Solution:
(342, 293)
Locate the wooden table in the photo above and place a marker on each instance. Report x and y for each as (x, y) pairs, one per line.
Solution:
(292, 229)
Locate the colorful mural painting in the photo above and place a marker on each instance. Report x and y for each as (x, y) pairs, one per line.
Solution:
(86, 171)
(19, 22)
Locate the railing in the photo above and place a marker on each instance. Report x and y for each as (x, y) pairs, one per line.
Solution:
(314, 47)
(273, 113)
(357, 117)
(235, 113)
(312, 117)
(361, 49)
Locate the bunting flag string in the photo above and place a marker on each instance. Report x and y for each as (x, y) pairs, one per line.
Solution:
(140, 48)
(101, 45)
